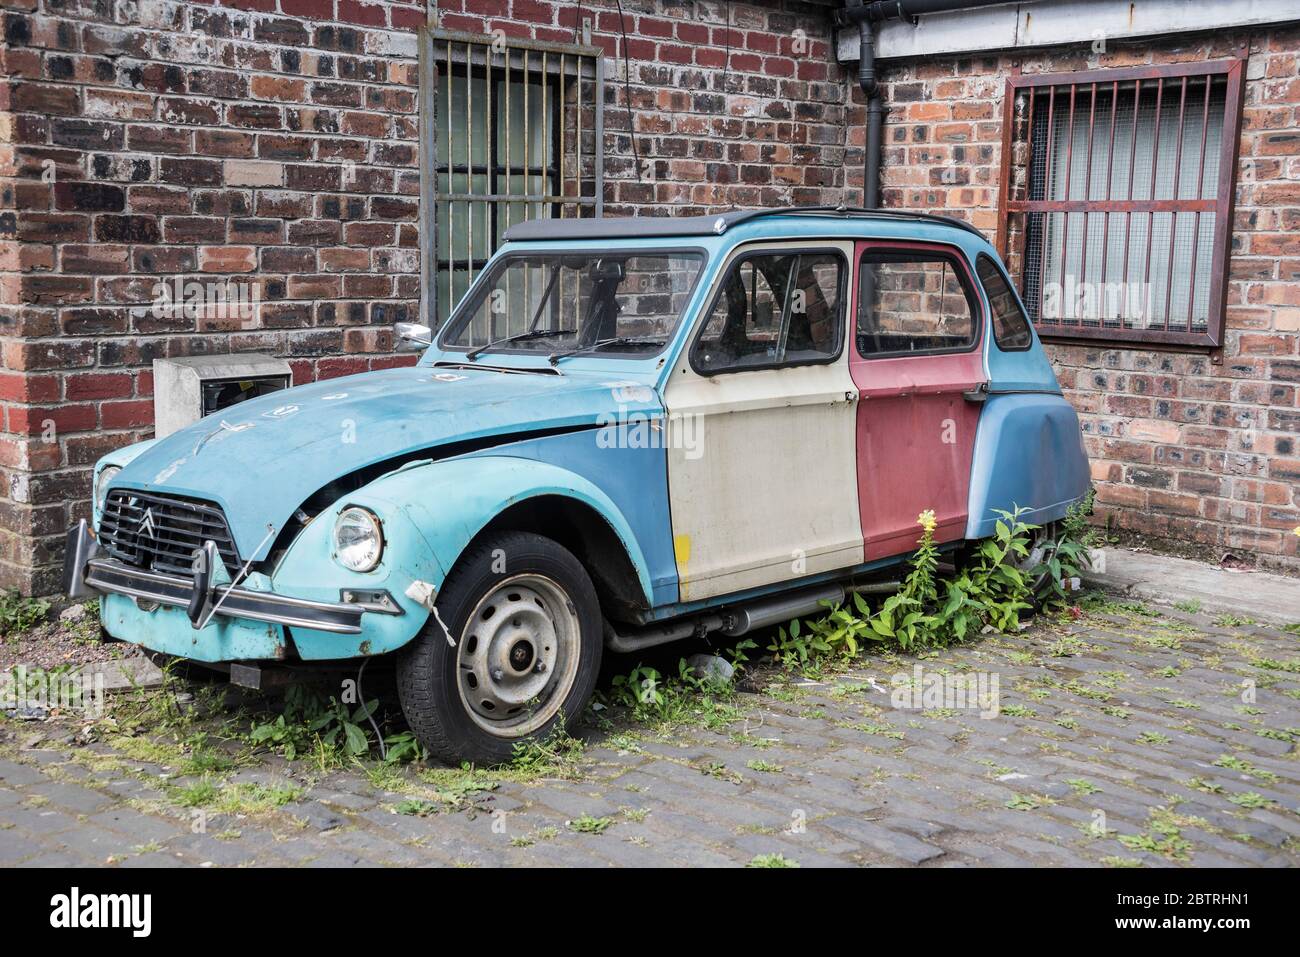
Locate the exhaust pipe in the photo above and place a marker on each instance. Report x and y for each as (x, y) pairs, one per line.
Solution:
(734, 622)
(778, 611)
(654, 635)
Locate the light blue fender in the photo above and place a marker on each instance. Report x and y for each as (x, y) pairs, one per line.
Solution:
(1028, 454)
(430, 513)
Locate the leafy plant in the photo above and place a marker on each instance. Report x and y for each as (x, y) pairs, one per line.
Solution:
(309, 720)
(404, 747)
(1025, 802)
(771, 860)
(586, 824)
(1163, 836)
(555, 756)
(989, 592)
(640, 691)
(1233, 621)
(1251, 800)
(17, 613)
(654, 698)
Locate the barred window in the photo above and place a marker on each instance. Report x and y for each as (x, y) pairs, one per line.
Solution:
(515, 127)
(1119, 200)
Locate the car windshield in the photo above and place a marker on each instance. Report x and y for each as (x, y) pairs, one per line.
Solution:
(606, 304)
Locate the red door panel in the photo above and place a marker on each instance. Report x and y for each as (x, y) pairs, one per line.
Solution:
(916, 435)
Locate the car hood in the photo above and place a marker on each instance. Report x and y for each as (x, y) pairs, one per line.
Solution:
(260, 460)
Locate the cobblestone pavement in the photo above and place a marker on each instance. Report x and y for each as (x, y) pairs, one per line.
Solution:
(1124, 738)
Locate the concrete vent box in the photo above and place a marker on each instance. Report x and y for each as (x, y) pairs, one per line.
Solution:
(186, 390)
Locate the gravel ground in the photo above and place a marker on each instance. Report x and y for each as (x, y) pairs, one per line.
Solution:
(61, 642)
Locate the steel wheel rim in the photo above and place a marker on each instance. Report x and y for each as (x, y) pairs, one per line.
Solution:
(1041, 548)
(517, 657)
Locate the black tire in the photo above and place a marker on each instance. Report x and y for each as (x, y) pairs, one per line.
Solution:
(1046, 539)
(431, 682)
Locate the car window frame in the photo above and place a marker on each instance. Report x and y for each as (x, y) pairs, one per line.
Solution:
(474, 297)
(1024, 313)
(972, 287)
(742, 256)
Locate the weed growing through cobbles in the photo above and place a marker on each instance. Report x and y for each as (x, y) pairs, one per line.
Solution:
(17, 614)
(994, 584)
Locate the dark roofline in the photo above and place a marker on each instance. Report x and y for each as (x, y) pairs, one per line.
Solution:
(628, 227)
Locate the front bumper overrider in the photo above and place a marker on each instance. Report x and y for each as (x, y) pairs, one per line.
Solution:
(88, 572)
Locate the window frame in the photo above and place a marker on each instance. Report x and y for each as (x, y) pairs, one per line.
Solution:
(1011, 287)
(1069, 84)
(742, 256)
(971, 287)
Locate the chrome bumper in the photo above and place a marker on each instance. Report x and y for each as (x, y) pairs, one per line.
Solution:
(87, 572)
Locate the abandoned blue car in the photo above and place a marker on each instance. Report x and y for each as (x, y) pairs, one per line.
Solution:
(630, 431)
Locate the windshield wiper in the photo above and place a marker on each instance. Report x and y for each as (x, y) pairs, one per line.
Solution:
(519, 337)
(555, 357)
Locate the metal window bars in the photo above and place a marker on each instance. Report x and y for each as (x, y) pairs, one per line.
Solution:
(512, 130)
(1118, 189)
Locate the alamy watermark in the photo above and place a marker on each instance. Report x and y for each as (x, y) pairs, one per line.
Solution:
(643, 430)
(1133, 302)
(923, 690)
(36, 690)
(230, 299)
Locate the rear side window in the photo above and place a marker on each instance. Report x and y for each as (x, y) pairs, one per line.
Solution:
(1010, 325)
(914, 301)
(774, 309)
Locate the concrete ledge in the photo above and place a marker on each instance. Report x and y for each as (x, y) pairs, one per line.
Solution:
(1159, 578)
(125, 673)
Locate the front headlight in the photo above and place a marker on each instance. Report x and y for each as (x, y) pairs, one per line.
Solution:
(106, 475)
(358, 539)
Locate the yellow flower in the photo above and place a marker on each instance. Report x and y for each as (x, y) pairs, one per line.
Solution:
(926, 520)
(1296, 530)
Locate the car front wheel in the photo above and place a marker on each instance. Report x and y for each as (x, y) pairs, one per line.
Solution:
(512, 654)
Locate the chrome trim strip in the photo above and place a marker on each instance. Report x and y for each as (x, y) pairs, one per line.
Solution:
(335, 617)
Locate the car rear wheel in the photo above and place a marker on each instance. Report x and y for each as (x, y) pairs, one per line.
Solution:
(519, 655)
(1042, 548)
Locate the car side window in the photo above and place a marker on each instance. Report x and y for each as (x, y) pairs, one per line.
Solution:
(774, 309)
(1010, 324)
(913, 301)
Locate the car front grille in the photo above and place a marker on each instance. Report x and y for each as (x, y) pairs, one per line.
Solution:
(161, 532)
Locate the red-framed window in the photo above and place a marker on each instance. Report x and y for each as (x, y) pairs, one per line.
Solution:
(1119, 193)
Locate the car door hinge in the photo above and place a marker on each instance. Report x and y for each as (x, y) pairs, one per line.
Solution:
(978, 394)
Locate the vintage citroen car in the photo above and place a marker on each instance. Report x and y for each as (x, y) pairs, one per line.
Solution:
(629, 431)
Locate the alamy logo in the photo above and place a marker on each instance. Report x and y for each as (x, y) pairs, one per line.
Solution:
(932, 690)
(134, 911)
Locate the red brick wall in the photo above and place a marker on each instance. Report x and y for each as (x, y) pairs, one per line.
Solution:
(762, 126)
(275, 141)
(1182, 448)
(261, 141)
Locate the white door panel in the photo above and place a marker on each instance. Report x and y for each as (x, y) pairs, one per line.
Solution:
(762, 472)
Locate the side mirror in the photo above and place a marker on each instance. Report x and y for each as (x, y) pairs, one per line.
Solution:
(414, 332)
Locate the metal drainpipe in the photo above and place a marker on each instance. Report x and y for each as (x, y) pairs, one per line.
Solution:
(870, 85)
(866, 14)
